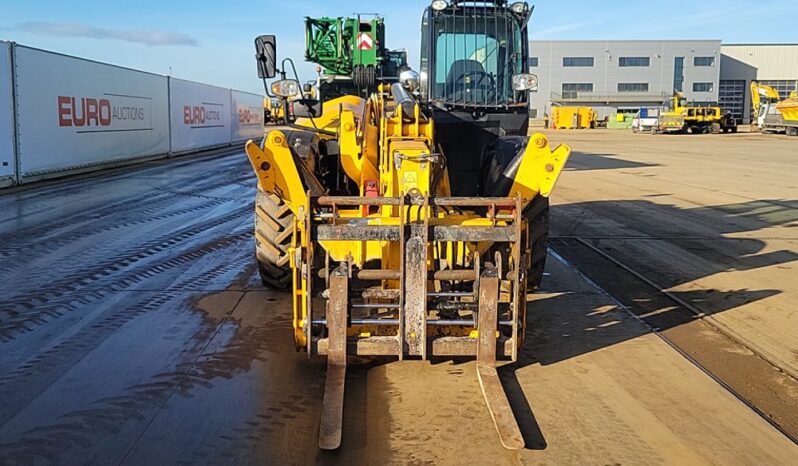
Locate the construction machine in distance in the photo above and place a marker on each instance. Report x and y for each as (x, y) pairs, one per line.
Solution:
(681, 118)
(771, 114)
(273, 111)
(352, 55)
(412, 223)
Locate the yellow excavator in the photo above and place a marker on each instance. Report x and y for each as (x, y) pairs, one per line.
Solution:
(681, 118)
(412, 223)
(771, 114)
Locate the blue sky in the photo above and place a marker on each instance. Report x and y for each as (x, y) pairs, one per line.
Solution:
(211, 41)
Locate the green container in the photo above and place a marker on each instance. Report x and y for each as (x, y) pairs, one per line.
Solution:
(621, 121)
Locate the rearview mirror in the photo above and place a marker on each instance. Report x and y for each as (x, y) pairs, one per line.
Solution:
(266, 56)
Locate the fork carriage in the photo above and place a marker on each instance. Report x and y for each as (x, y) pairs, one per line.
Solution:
(424, 299)
(433, 294)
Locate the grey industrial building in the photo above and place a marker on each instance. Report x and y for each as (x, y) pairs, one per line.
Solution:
(623, 76)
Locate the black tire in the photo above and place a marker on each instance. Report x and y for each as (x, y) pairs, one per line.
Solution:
(791, 131)
(371, 76)
(274, 224)
(537, 215)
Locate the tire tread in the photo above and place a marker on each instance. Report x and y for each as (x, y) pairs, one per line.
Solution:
(273, 230)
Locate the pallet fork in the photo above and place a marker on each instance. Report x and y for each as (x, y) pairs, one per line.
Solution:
(414, 308)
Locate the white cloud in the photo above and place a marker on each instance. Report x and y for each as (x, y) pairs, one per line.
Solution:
(139, 36)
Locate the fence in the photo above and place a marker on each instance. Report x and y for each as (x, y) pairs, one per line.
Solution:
(60, 114)
(7, 159)
(247, 122)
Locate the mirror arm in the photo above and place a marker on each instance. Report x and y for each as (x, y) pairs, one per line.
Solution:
(291, 62)
(285, 101)
(267, 90)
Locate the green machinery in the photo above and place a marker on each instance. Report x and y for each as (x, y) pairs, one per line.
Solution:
(351, 51)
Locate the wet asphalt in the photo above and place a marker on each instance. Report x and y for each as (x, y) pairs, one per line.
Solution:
(126, 333)
(134, 330)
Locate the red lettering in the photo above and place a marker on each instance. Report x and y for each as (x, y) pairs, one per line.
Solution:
(91, 112)
(198, 115)
(193, 115)
(78, 120)
(105, 112)
(64, 111)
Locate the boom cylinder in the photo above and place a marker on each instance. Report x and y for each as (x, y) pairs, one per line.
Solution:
(405, 102)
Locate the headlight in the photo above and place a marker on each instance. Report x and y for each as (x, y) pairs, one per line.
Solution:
(285, 88)
(525, 82)
(519, 7)
(439, 5)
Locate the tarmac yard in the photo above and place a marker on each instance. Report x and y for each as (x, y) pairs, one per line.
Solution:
(134, 330)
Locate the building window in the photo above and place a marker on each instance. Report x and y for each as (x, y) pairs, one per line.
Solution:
(577, 87)
(634, 61)
(533, 62)
(704, 61)
(678, 74)
(577, 61)
(784, 87)
(572, 90)
(703, 87)
(632, 87)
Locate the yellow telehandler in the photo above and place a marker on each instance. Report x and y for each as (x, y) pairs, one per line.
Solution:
(413, 222)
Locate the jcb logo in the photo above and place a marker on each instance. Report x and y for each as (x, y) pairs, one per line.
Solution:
(84, 112)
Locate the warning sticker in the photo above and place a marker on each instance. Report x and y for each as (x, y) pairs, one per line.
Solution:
(364, 41)
(410, 180)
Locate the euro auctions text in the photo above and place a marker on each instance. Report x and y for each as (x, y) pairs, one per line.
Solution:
(89, 111)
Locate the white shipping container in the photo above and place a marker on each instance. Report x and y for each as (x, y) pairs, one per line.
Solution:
(200, 115)
(246, 115)
(74, 113)
(8, 165)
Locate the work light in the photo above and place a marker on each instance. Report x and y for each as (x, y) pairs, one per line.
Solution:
(285, 88)
(439, 5)
(525, 82)
(519, 7)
